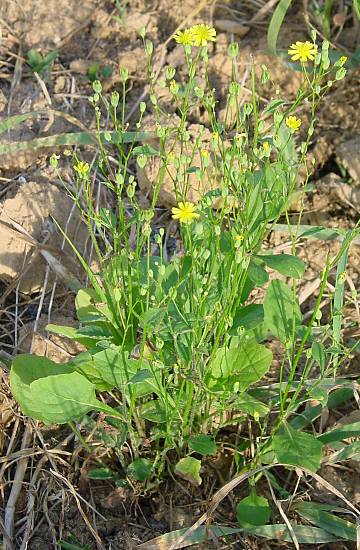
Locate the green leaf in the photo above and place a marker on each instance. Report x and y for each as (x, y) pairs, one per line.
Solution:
(351, 451)
(339, 300)
(356, 4)
(188, 468)
(50, 392)
(145, 150)
(71, 138)
(275, 24)
(153, 411)
(304, 533)
(201, 534)
(203, 444)
(319, 354)
(250, 405)
(253, 510)
(317, 514)
(297, 449)
(343, 432)
(72, 333)
(280, 310)
(111, 368)
(290, 266)
(140, 469)
(25, 370)
(101, 473)
(243, 366)
(312, 231)
(249, 317)
(257, 274)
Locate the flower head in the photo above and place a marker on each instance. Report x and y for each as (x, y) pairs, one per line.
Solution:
(82, 168)
(184, 37)
(293, 123)
(202, 34)
(184, 212)
(343, 59)
(302, 51)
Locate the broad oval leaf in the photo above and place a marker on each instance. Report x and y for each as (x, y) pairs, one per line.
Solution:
(253, 510)
(51, 392)
(203, 444)
(189, 469)
(140, 469)
(297, 449)
(153, 411)
(242, 365)
(286, 264)
(280, 309)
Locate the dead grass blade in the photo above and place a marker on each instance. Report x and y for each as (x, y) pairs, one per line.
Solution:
(16, 488)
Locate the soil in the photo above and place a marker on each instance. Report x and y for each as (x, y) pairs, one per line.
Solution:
(57, 499)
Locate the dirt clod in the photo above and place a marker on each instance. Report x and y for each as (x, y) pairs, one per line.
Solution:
(348, 154)
(32, 207)
(57, 348)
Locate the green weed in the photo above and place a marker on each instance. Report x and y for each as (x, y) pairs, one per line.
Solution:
(178, 348)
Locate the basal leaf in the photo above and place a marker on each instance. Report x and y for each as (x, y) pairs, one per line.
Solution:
(26, 369)
(101, 473)
(51, 392)
(297, 448)
(253, 510)
(140, 469)
(188, 468)
(63, 397)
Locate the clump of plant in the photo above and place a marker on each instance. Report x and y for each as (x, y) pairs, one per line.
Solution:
(41, 64)
(178, 347)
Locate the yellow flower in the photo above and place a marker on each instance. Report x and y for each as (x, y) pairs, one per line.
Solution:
(82, 168)
(184, 37)
(184, 212)
(343, 59)
(205, 153)
(202, 34)
(266, 146)
(302, 51)
(239, 238)
(293, 123)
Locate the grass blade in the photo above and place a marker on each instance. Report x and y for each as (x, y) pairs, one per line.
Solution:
(15, 120)
(351, 451)
(304, 534)
(338, 304)
(317, 514)
(202, 534)
(275, 24)
(343, 432)
(71, 138)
